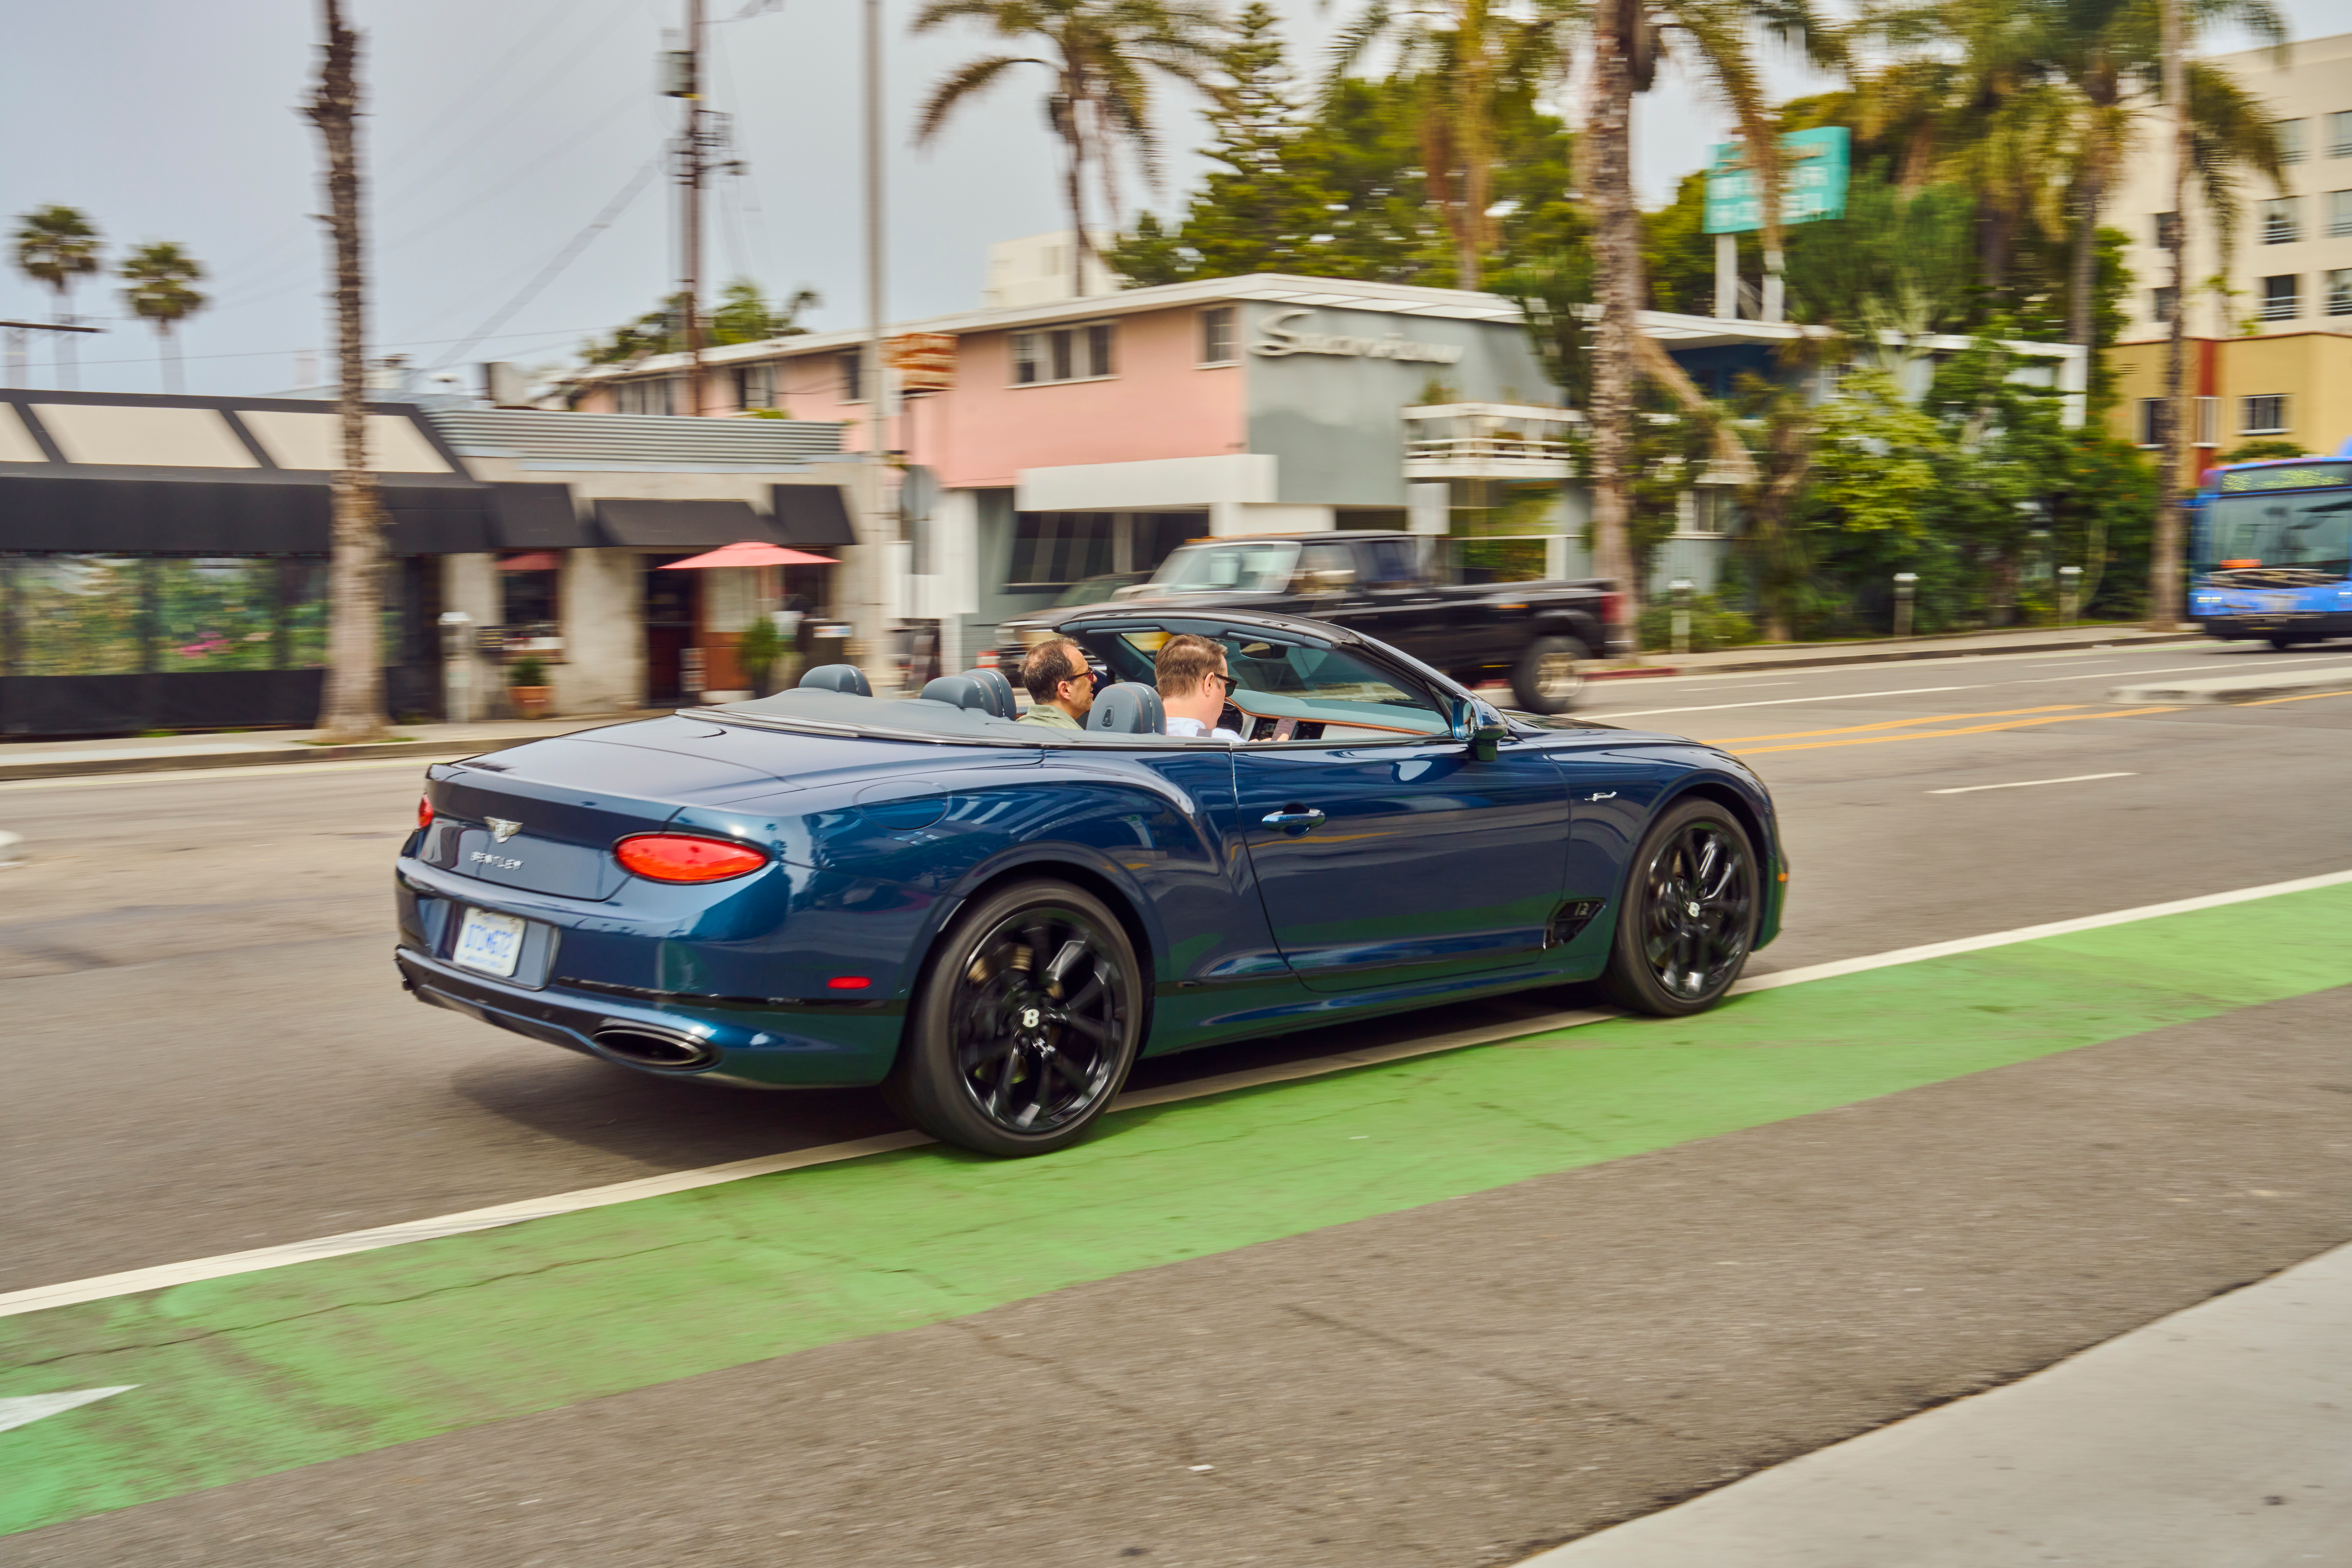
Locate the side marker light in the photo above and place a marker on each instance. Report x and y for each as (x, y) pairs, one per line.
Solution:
(847, 982)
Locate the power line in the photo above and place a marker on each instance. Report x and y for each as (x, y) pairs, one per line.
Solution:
(563, 258)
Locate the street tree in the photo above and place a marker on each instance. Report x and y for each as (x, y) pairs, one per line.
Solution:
(1100, 57)
(57, 246)
(353, 706)
(162, 278)
(1714, 38)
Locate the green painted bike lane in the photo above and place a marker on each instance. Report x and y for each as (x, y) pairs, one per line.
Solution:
(252, 1374)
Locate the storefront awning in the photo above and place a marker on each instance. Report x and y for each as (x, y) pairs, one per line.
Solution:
(678, 524)
(435, 520)
(812, 516)
(135, 516)
(536, 517)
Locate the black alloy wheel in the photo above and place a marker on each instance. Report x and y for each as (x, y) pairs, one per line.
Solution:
(1025, 1026)
(1692, 898)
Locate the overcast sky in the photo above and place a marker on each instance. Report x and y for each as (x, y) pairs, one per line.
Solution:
(500, 130)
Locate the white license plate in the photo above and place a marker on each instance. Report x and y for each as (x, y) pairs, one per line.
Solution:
(2276, 603)
(489, 942)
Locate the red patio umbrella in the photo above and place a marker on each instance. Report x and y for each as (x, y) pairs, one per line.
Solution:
(752, 553)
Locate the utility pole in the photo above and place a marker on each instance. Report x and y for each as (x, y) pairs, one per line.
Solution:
(18, 354)
(2164, 550)
(694, 163)
(883, 525)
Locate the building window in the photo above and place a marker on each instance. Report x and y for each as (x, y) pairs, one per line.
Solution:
(2290, 139)
(2209, 421)
(1063, 353)
(2339, 291)
(2339, 133)
(2151, 422)
(528, 586)
(755, 386)
(2265, 416)
(2167, 229)
(2339, 214)
(2159, 305)
(1217, 335)
(2282, 221)
(649, 395)
(1052, 549)
(2281, 298)
(849, 365)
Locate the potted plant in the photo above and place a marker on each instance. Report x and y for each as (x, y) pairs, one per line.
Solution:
(757, 651)
(528, 688)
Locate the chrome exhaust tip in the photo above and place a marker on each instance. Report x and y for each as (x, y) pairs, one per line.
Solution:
(645, 1046)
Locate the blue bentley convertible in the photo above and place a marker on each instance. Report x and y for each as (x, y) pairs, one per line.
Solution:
(993, 919)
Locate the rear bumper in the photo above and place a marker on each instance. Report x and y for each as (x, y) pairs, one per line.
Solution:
(750, 1046)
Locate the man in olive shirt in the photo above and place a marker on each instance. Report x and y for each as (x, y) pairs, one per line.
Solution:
(1061, 688)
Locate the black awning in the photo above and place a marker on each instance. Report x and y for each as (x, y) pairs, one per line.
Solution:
(680, 524)
(214, 517)
(536, 517)
(435, 520)
(812, 514)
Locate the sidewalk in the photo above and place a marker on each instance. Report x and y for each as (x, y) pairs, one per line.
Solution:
(254, 748)
(1891, 650)
(2220, 1435)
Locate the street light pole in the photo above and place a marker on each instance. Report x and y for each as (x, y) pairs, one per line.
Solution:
(876, 566)
(693, 177)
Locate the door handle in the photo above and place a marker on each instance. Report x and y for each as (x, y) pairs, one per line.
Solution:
(1293, 820)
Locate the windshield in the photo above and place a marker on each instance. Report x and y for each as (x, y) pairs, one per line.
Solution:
(1244, 566)
(2309, 533)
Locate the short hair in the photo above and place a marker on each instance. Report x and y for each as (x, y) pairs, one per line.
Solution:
(1048, 665)
(1183, 662)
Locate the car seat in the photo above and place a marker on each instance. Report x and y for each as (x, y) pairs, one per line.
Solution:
(1130, 708)
(958, 691)
(999, 688)
(838, 678)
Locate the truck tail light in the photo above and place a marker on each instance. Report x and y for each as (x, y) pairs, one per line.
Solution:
(1613, 609)
(684, 857)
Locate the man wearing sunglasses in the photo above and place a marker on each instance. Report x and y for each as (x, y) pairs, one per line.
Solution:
(1191, 674)
(1061, 688)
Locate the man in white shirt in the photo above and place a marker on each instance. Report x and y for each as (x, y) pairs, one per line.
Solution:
(1191, 674)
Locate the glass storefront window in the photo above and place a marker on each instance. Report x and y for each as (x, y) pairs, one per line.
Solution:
(218, 612)
(76, 614)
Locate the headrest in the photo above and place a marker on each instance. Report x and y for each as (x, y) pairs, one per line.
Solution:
(838, 678)
(957, 692)
(1000, 691)
(1130, 708)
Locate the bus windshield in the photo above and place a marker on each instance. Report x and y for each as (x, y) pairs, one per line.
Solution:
(2308, 534)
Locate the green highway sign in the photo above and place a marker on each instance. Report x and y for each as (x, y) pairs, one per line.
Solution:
(1813, 166)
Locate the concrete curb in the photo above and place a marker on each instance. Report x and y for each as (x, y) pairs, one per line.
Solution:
(272, 756)
(2238, 688)
(1877, 653)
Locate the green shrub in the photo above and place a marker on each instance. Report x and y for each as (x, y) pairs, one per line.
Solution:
(1713, 624)
(528, 670)
(757, 649)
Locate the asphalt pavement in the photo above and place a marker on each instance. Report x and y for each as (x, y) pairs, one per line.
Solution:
(210, 1053)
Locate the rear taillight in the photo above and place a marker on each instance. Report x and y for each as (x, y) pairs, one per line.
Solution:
(680, 858)
(1613, 609)
(424, 811)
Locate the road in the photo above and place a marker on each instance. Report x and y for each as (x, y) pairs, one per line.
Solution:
(209, 1053)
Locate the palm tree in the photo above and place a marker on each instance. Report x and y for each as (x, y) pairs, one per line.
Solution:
(1100, 55)
(161, 275)
(1462, 58)
(1629, 37)
(353, 705)
(56, 245)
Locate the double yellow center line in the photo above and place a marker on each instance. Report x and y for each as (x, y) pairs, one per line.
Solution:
(1875, 735)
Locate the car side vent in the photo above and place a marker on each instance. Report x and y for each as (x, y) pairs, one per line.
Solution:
(1570, 918)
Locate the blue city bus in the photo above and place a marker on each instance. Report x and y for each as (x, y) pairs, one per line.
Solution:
(2270, 550)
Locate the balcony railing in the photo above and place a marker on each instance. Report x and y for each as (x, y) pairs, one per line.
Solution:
(1488, 457)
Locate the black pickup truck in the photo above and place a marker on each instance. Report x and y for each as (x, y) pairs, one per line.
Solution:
(1539, 634)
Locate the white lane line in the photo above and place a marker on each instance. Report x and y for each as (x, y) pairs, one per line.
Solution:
(2033, 933)
(1784, 701)
(191, 775)
(100, 1287)
(2029, 783)
(2111, 674)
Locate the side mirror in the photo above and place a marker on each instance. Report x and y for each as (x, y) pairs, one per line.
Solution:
(1476, 725)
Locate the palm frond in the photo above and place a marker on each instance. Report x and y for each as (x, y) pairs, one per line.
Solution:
(964, 82)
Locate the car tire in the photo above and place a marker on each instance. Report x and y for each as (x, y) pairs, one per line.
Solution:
(1550, 675)
(996, 1062)
(2286, 645)
(1694, 895)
